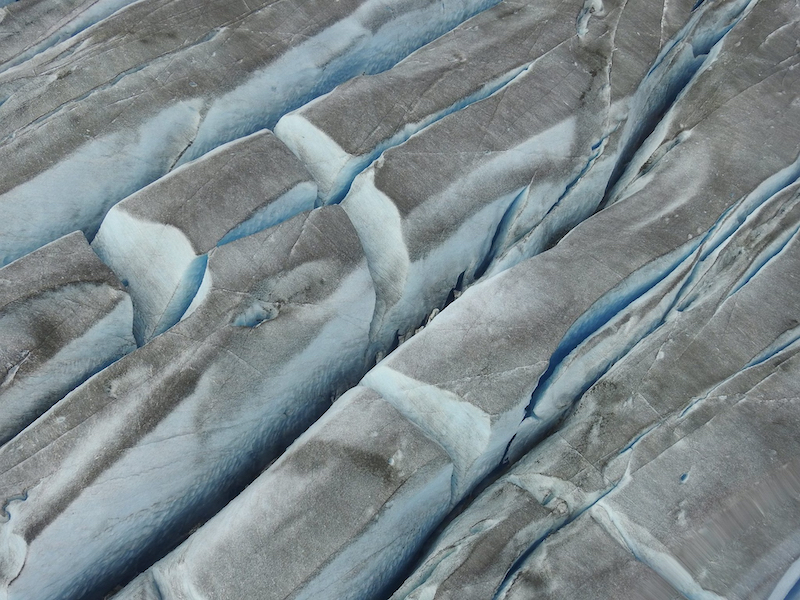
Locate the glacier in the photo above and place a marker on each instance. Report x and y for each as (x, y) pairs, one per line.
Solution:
(416, 300)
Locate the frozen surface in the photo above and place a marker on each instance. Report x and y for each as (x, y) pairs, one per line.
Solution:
(157, 239)
(381, 483)
(63, 317)
(526, 171)
(128, 462)
(33, 26)
(215, 72)
(546, 346)
(341, 133)
(719, 310)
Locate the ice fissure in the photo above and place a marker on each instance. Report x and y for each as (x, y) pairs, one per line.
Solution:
(505, 307)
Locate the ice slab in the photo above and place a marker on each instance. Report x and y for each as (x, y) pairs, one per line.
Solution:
(729, 488)
(634, 412)
(233, 71)
(648, 72)
(428, 215)
(63, 317)
(337, 516)
(752, 324)
(116, 473)
(707, 517)
(157, 239)
(433, 219)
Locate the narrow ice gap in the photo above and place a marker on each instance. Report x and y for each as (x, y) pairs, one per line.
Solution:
(501, 233)
(648, 550)
(603, 310)
(91, 16)
(288, 205)
(726, 227)
(586, 365)
(68, 103)
(768, 255)
(508, 580)
(786, 342)
(748, 205)
(597, 151)
(660, 90)
(183, 296)
(782, 343)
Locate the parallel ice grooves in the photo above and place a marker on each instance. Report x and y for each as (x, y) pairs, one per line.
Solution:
(676, 67)
(769, 254)
(654, 281)
(697, 251)
(500, 233)
(236, 114)
(92, 15)
(287, 126)
(365, 36)
(601, 313)
(214, 403)
(457, 70)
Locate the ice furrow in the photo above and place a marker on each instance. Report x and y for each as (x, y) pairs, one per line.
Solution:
(456, 202)
(632, 106)
(590, 360)
(634, 114)
(771, 253)
(213, 93)
(612, 305)
(510, 575)
(535, 456)
(690, 51)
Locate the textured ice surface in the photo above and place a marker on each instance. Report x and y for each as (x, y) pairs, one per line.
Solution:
(34, 26)
(577, 222)
(526, 170)
(380, 482)
(156, 240)
(63, 317)
(163, 438)
(341, 133)
(717, 320)
(231, 71)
